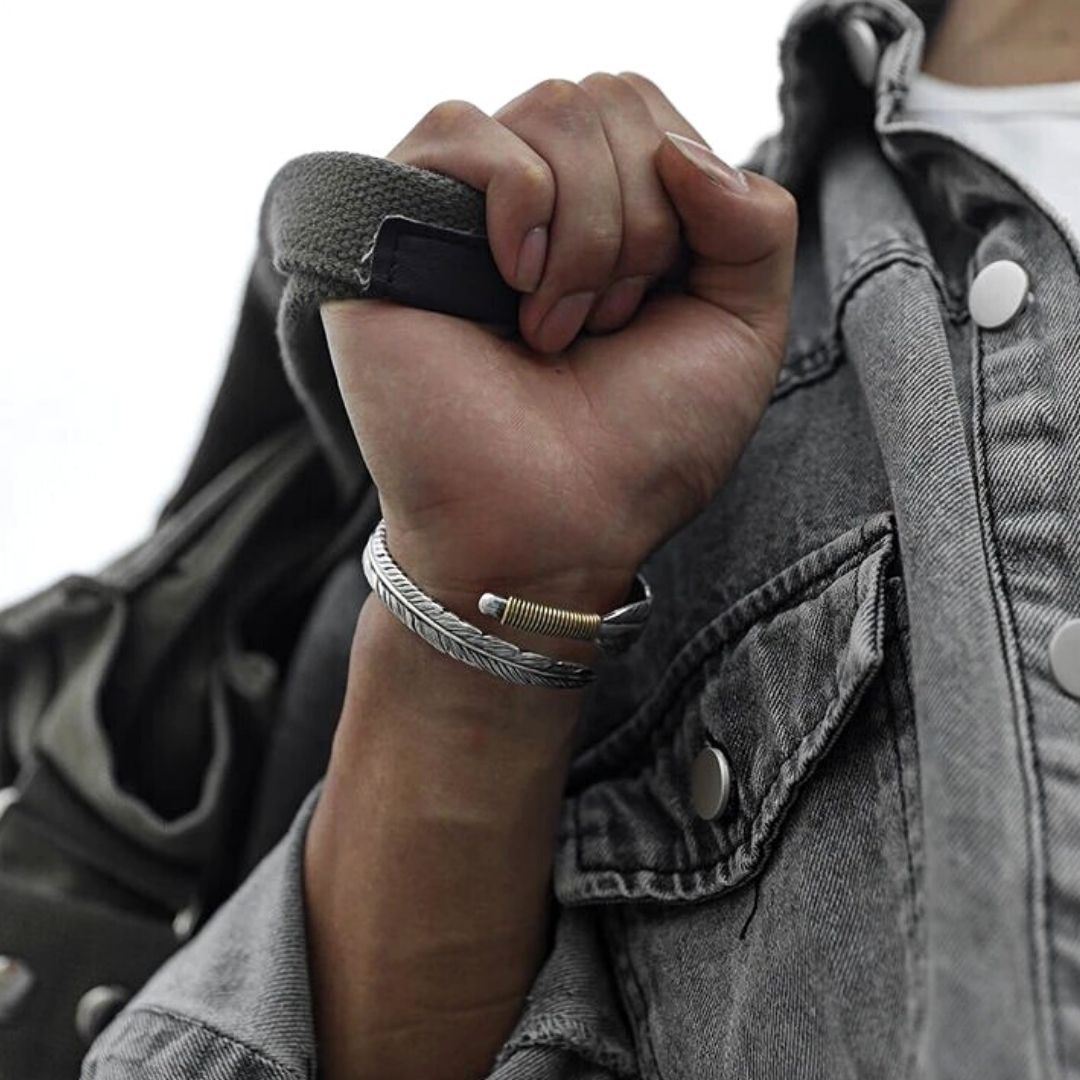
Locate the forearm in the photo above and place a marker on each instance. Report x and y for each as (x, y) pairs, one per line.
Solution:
(429, 857)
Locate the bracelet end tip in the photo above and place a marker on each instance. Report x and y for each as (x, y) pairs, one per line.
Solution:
(490, 604)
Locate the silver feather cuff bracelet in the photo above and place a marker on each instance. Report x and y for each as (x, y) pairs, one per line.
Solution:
(454, 636)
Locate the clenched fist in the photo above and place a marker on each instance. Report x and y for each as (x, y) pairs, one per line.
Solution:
(551, 463)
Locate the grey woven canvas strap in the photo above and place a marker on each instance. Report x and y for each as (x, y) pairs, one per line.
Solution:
(337, 225)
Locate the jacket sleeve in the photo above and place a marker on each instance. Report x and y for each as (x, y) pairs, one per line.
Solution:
(235, 1002)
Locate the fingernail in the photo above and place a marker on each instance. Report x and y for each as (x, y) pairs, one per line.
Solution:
(530, 264)
(564, 320)
(717, 170)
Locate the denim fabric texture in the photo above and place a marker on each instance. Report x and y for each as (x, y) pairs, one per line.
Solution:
(859, 620)
(238, 1005)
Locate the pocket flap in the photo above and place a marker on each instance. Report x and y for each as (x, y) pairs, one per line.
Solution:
(770, 681)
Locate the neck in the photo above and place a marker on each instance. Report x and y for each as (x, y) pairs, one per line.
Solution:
(1006, 42)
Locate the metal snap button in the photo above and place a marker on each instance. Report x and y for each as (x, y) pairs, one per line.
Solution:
(9, 796)
(1065, 657)
(185, 921)
(16, 981)
(96, 1009)
(710, 783)
(998, 293)
(863, 48)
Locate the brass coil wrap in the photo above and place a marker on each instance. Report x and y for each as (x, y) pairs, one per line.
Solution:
(552, 621)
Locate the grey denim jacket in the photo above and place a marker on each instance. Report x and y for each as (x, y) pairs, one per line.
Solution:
(859, 622)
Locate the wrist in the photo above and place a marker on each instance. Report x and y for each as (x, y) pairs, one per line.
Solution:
(457, 572)
(481, 742)
(496, 623)
(398, 683)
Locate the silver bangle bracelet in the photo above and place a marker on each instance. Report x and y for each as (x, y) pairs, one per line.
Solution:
(455, 637)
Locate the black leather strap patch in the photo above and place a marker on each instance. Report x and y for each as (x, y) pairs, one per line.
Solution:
(440, 269)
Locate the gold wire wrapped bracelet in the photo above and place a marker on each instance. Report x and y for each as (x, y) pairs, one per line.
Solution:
(613, 632)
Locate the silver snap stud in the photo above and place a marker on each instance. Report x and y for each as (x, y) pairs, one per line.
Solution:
(184, 921)
(1065, 657)
(16, 981)
(863, 48)
(998, 293)
(96, 1009)
(710, 783)
(9, 796)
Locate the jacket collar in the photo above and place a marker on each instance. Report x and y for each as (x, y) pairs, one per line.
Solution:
(820, 92)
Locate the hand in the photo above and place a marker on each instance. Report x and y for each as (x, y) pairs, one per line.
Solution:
(552, 464)
(549, 466)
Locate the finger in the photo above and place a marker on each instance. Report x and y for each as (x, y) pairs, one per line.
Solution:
(741, 229)
(650, 238)
(559, 120)
(457, 139)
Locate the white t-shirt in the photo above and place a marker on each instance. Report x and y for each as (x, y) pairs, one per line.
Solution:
(1033, 131)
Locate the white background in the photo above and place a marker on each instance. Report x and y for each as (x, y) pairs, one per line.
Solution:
(138, 140)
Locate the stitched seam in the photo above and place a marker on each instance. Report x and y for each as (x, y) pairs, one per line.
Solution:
(884, 254)
(642, 1028)
(1005, 620)
(997, 591)
(905, 37)
(674, 688)
(394, 258)
(190, 1021)
(807, 367)
(894, 707)
(608, 1059)
(878, 637)
(770, 800)
(687, 682)
(808, 360)
(904, 245)
(886, 264)
(723, 863)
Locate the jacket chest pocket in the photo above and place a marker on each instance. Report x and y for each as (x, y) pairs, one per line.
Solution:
(782, 929)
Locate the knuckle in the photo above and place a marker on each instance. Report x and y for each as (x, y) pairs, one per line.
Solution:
(601, 237)
(639, 81)
(449, 115)
(600, 80)
(652, 238)
(535, 179)
(557, 92)
(564, 103)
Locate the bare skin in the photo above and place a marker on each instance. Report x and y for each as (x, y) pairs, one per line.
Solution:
(1006, 42)
(549, 466)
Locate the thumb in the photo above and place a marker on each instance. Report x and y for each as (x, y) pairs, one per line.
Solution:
(740, 228)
